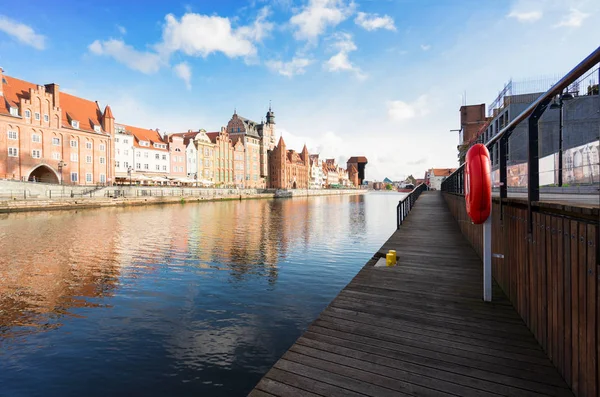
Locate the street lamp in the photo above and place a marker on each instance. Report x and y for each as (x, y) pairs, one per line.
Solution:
(196, 179)
(61, 164)
(129, 169)
(558, 104)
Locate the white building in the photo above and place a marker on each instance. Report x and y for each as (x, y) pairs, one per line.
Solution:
(150, 156)
(191, 155)
(317, 176)
(123, 153)
(436, 176)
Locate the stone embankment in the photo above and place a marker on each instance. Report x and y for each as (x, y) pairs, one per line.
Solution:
(28, 199)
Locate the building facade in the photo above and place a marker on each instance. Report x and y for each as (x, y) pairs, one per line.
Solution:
(206, 157)
(124, 160)
(178, 162)
(150, 156)
(223, 157)
(53, 137)
(435, 177)
(317, 177)
(287, 168)
(239, 153)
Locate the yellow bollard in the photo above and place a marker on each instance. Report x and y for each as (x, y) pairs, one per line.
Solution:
(394, 258)
(389, 259)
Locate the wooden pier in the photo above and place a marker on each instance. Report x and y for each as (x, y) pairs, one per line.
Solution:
(420, 328)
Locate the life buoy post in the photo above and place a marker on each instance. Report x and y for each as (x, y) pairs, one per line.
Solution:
(478, 201)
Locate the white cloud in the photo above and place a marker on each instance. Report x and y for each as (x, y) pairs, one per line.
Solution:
(401, 110)
(22, 33)
(202, 35)
(574, 19)
(184, 72)
(145, 62)
(373, 21)
(260, 29)
(425, 47)
(526, 16)
(340, 61)
(296, 66)
(317, 15)
(122, 29)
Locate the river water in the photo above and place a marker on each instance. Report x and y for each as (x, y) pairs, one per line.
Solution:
(174, 300)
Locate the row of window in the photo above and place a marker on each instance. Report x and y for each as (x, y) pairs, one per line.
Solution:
(146, 166)
(89, 178)
(177, 159)
(125, 140)
(146, 155)
(14, 135)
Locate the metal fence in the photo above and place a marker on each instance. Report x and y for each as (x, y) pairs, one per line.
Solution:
(405, 205)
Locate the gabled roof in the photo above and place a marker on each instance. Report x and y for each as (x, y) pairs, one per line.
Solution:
(212, 136)
(13, 90)
(86, 112)
(357, 159)
(148, 135)
(442, 171)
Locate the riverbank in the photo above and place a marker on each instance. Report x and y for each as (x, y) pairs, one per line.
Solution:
(136, 197)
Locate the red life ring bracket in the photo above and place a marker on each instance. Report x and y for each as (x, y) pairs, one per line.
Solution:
(478, 184)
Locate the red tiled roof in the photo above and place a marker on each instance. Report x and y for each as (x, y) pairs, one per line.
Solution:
(442, 171)
(142, 134)
(212, 136)
(357, 159)
(87, 113)
(13, 91)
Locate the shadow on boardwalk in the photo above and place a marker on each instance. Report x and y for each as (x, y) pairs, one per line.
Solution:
(420, 328)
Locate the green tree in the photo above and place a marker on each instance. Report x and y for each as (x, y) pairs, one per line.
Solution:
(388, 186)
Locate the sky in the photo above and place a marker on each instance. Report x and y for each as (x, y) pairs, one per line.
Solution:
(378, 78)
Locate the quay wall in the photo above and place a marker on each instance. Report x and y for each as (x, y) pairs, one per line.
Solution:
(43, 198)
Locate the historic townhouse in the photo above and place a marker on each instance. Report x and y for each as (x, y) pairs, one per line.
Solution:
(124, 161)
(258, 140)
(317, 177)
(53, 137)
(238, 164)
(177, 154)
(191, 156)
(331, 170)
(287, 168)
(151, 161)
(206, 157)
(223, 157)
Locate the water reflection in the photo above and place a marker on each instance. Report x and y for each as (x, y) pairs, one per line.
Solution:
(192, 298)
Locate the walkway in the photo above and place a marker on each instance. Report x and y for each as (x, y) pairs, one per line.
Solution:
(417, 329)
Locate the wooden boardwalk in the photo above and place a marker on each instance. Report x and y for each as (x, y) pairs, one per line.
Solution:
(418, 329)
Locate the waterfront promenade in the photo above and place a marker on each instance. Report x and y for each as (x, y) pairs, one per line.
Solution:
(420, 328)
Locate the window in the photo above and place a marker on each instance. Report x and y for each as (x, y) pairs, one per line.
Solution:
(126, 152)
(126, 164)
(102, 160)
(14, 111)
(73, 143)
(116, 139)
(13, 152)
(102, 147)
(125, 140)
(157, 156)
(138, 154)
(36, 138)
(164, 156)
(138, 165)
(74, 123)
(146, 155)
(158, 168)
(37, 115)
(46, 118)
(88, 145)
(118, 151)
(117, 164)
(145, 166)
(55, 156)
(102, 178)
(178, 150)
(56, 141)
(180, 169)
(74, 157)
(88, 177)
(97, 128)
(88, 159)
(28, 114)
(164, 167)
(13, 135)
(74, 177)
(36, 154)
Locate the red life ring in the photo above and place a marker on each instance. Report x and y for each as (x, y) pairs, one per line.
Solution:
(478, 184)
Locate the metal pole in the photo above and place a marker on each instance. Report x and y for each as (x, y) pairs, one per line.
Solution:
(502, 167)
(487, 259)
(533, 163)
(560, 141)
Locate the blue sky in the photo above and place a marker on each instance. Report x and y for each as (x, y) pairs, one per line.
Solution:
(381, 78)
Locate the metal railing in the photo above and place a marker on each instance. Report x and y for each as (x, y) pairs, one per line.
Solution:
(529, 122)
(405, 205)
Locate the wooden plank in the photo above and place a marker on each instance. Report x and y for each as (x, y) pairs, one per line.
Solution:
(568, 307)
(554, 289)
(582, 270)
(574, 307)
(421, 328)
(560, 271)
(549, 285)
(592, 298)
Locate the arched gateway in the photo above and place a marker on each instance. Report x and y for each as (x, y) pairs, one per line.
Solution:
(43, 173)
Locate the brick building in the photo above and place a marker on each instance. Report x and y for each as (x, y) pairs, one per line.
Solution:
(223, 157)
(53, 137)
(359, 163)
(287, 168)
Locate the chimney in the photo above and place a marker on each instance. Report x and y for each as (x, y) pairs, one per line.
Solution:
(54, 90)
(1, 81)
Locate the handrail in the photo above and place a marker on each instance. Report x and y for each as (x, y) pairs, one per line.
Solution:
(556, 89)
(405, 205)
